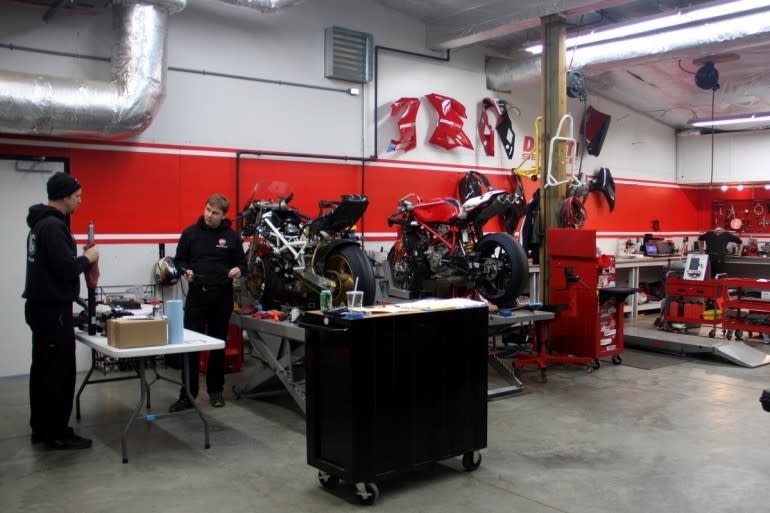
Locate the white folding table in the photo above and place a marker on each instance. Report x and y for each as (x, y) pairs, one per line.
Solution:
(193, 342)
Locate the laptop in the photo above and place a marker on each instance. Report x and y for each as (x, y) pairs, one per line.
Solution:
(657, 248)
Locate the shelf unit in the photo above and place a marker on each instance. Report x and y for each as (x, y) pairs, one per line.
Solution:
(686, 301)
(743, 313)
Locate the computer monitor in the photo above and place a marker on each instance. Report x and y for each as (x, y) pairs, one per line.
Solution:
(651, 248)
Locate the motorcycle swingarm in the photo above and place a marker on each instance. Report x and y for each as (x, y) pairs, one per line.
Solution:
(313, 280)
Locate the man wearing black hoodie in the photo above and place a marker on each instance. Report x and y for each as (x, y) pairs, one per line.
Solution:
(209, 257)
(52, 284)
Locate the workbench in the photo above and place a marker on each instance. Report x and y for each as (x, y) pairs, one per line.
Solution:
(634, 266)
(193, 342)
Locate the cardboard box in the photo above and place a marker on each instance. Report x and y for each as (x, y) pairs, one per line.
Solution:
(127, 332)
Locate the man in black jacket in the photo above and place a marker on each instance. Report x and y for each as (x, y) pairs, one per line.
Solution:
(52, 284)
(209, 257)
(716, 242)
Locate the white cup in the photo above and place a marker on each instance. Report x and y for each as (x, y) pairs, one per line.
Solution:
(355, 299)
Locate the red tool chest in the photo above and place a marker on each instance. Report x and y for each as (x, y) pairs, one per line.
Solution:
(592, 326)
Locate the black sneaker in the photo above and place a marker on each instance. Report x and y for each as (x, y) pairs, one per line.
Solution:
(216, 399)
(181, 404)
(70, 442)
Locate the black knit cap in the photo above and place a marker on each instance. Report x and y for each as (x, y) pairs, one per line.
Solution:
(61, 185)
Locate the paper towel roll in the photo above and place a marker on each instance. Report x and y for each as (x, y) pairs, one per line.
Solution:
(175, 314)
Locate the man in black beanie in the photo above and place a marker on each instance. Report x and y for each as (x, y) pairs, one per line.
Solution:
(52, 284)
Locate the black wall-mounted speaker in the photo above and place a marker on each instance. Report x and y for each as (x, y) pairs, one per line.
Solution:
(707, 77)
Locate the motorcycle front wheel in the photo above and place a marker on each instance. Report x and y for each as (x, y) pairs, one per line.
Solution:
(343, 265)
(512, 268)
(403, 270)
(262, 283)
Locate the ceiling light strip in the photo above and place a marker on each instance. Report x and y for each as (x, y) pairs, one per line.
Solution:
(674, 20)
(733, 120)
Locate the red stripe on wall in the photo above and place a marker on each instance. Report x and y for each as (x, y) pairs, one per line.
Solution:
(135, 192)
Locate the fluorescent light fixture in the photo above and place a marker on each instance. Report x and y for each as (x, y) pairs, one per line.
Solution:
(674, 20)
(732, 120)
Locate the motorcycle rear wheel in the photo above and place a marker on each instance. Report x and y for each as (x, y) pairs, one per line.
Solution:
(343, 265)
(513, 273)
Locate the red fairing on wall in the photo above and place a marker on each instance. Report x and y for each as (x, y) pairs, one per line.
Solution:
(502, 126)
(449, 132)
(407, 124)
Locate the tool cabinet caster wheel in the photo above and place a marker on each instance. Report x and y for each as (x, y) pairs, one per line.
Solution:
(617, 359)
(471, 460)
(327, 480)
(596, 364)
(729, 335)
(739, 335)
(713, 333)
(766, 338)
(236, 392)
(367, 493)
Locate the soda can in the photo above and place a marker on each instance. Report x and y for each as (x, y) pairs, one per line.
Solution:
(326, 300)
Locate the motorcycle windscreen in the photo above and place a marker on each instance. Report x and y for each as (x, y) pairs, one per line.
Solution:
(594, 129)
(272, 190)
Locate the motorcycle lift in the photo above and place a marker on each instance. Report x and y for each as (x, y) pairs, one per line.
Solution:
(280, 347)
(643, 336)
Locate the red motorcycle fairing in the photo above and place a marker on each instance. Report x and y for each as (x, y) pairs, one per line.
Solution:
(502, 126)
(439, 210)
(449, 131)
(407, 124)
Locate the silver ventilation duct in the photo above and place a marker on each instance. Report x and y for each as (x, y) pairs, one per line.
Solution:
(125, 106)
(266, 6)
(503, 74)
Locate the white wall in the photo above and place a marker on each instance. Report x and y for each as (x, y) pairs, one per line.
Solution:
(739, 157)
(288, 46)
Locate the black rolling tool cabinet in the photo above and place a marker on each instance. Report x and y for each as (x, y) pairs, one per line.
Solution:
(392, 392)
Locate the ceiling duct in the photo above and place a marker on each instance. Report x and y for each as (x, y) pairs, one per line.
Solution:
(47, 105)
(504, 74)
(266, 6)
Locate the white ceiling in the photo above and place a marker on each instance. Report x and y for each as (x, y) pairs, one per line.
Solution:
(656, 81)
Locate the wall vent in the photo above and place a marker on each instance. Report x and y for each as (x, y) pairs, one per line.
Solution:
(348, 55)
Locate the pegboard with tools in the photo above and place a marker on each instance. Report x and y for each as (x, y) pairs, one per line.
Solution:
(742, 216)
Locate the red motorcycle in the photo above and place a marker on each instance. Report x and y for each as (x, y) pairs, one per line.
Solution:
(441, 245)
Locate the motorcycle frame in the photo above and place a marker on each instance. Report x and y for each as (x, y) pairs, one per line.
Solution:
(296, 248)
(455, 230)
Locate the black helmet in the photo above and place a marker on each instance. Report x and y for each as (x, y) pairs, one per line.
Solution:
(166, 272)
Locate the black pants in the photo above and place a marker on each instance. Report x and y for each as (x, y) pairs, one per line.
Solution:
(207, 310)
(52, 374)
(717, 264)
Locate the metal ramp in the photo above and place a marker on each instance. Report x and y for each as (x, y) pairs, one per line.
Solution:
(654, 339)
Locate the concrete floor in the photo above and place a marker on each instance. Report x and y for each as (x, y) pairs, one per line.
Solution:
(682, 438)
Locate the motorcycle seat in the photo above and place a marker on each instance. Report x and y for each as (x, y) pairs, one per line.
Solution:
(342, 216)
